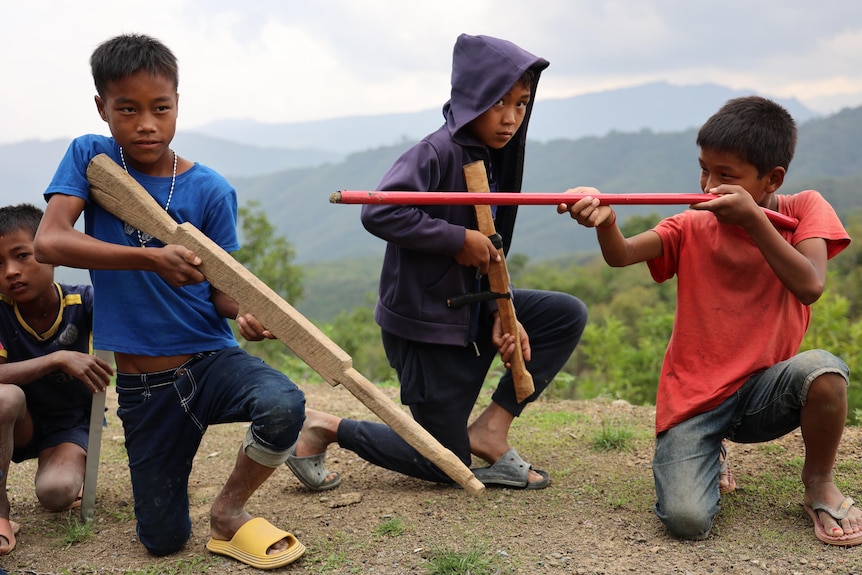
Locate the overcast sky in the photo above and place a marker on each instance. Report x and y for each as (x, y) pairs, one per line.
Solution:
(296, 60)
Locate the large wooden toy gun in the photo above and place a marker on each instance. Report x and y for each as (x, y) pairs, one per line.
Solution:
(119, 193)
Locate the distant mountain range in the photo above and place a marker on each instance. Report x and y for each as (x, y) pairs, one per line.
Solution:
(828, 158)
(245, 148)
(633, 140)
(659, 106)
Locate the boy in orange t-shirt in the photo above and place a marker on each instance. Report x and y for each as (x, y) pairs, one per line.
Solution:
(731, 369)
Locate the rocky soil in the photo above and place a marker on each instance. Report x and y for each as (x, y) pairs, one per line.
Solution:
(595, 518)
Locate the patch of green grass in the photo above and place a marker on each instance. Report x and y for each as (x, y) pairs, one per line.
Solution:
(587, 489)
(847, 475)
(331, 561)
(122, 514)
(624, 489)
(391, 526)
(444, 561)
(76, 531)
(613, 437)
(772, 448)
(332, 554)
(553, 420)
(848, 466)
(779, 484)
(777, 489)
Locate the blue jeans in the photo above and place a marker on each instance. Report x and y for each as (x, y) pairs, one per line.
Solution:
(766, 407)
(165, 415)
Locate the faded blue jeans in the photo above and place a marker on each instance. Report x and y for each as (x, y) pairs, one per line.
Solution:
(165, 415)
(766, 407)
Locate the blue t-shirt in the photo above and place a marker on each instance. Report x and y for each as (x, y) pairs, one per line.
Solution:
(71, 330)
(136, 311)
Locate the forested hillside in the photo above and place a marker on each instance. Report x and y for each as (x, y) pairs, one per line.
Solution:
(329, 238)
(630, 315)
(829, 158)
(630, 323)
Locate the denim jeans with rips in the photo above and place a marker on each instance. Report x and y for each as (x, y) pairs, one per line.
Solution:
(766, 407)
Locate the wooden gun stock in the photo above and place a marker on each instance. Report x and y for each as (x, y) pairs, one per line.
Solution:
(498, 275)
(120, 194)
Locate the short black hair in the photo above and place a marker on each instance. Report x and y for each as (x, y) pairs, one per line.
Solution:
(20, 217)
(128, 54)
(761, 132)
(527, 79)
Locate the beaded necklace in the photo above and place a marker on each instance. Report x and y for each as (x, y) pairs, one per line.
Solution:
(143, 237)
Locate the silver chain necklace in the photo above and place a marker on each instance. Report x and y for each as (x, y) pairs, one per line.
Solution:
(143, 237)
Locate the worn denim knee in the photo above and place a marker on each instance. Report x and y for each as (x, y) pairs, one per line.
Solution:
(685, 469)
(767, 406)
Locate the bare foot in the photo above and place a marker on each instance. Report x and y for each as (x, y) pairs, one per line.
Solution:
(319, 430)
(489, 436)
(726, 481)
(7, 538)
(828, 493)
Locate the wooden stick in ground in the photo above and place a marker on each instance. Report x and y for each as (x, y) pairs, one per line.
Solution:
(119, 193)
(94, 448)
(498, 276)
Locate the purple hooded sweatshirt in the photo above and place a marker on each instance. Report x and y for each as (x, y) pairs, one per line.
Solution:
(419, 269)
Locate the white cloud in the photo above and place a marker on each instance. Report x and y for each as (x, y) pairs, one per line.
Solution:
(291, 60)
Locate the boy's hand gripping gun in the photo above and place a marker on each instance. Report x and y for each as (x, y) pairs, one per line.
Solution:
(498, 276)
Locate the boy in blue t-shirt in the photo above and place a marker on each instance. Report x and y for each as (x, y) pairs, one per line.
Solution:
(47, 371)
(179, 366)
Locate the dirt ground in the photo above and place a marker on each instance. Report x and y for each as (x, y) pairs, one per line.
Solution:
(595, 517)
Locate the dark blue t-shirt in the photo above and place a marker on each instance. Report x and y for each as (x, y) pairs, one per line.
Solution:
(72, 330)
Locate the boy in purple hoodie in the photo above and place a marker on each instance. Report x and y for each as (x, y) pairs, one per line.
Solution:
(442, 355)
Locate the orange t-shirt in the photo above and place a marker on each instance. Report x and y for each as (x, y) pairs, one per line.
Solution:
(733, 317)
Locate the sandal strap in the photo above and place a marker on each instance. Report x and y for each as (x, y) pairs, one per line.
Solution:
(722, 457)
(837, 514)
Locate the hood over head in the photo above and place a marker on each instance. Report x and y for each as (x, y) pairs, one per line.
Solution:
(484, 69)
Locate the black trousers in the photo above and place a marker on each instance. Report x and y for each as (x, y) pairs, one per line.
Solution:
(440, 383)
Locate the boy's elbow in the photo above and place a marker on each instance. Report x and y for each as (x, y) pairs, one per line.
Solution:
(615, 260)
(810, 293)
(366, 218)
(40, 250)
(809, 297)
(373, 219)
(44, 249)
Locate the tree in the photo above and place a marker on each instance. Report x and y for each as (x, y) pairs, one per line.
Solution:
(269, 257)
(636, 224)
(358, 334)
